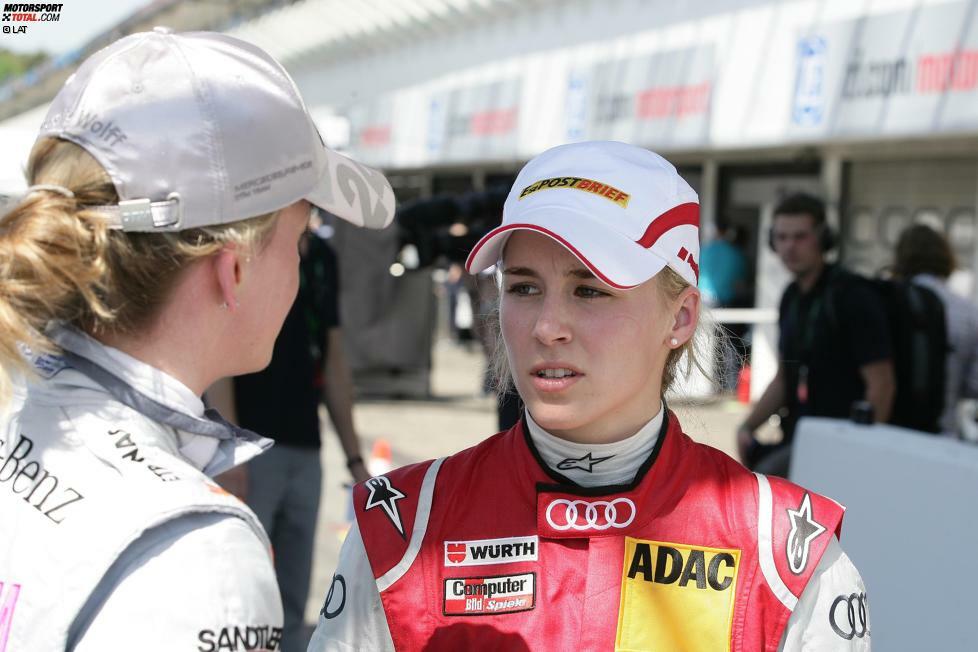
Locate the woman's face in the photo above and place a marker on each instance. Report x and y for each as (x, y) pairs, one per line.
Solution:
(587, 359)
(269, 282)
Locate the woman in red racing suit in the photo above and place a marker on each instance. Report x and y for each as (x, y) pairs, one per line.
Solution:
(595, 523)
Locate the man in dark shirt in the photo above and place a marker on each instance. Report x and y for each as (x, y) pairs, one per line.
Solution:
(834, 347)
(283, 485)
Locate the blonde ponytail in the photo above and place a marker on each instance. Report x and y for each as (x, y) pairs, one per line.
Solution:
(60, 262)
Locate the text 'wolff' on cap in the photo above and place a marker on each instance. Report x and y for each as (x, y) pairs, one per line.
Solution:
(200, 128)
(622, 210)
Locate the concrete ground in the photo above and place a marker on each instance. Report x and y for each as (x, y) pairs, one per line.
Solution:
(457, 416)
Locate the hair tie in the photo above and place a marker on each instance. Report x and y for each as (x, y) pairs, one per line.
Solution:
(61, 190)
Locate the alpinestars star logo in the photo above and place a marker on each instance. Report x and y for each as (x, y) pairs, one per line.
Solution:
(585, 463)
(383, 495)
(804, 530)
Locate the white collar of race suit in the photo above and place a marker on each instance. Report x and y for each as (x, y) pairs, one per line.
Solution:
(596, 465)
(204, 438)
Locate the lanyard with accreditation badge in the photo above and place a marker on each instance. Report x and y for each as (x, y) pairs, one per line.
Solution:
(806, 350)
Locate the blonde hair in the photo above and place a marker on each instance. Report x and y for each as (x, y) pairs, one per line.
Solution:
(679, 363)
(59, 261)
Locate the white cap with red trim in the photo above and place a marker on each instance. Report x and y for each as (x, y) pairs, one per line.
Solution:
(622, 210)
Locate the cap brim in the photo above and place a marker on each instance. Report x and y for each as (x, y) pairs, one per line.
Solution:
(354, 192)
(613, 258)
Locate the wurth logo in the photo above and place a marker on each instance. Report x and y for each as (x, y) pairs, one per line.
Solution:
(687, 257)
(491, 551)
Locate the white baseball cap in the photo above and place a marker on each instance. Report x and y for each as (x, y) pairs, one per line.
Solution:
(201, 128)
(622, 210)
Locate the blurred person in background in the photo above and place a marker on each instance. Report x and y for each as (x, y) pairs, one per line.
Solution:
(826, 360)
(723, 284)
(461, 311)
(284, 485)
(595, 523)
(723, 269)
(924, 256)
(155, 251)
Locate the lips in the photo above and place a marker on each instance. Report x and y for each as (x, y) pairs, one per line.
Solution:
(555, 370)
(555, 373)
(554, 376)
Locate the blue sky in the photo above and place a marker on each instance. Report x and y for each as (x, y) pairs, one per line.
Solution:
(80, 21)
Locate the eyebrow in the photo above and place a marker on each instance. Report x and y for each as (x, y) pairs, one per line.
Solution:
(576, 272)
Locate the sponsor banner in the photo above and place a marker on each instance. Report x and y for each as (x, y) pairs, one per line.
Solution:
(660, 97)
(372, 130)
(480, 596)
(491, 551)
(676, 596)
(912, 71)
(474, 122)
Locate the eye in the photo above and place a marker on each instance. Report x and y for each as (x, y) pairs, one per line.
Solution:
(522, 289)
(588, 292)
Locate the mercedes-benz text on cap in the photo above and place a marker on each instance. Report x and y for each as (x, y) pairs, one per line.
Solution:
(201, 128)
(622, 210)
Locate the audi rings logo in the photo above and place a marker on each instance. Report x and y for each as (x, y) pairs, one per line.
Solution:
(851, 620)
(563, 514)
(329, 611)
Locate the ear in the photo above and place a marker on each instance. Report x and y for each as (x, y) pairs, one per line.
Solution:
(227, 270)
(686, 313)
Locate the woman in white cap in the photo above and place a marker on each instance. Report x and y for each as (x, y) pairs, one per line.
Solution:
(154, 252)
(595, 524)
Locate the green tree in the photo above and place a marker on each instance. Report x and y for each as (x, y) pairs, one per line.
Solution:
(13, 63)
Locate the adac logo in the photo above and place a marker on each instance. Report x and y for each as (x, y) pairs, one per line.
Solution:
(667, 586)
(587, 185)
(698, 567)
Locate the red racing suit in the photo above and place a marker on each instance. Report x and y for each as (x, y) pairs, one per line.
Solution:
(491, 549)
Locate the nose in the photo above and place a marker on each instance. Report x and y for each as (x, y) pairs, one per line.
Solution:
(552, 325)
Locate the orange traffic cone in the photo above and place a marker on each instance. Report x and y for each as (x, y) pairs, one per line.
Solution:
(380, 461)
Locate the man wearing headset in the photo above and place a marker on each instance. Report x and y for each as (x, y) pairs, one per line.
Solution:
(834, 346)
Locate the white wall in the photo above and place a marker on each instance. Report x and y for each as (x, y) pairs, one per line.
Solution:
(910, 526)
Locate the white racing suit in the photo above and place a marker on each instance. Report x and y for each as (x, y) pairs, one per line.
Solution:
(114, 537)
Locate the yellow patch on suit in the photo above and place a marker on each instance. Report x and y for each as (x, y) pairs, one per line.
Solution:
(676, 597)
